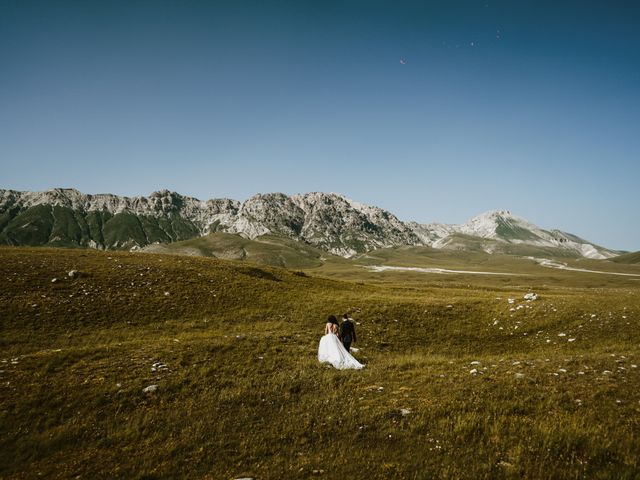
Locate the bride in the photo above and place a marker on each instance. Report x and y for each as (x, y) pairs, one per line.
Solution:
(331, 349)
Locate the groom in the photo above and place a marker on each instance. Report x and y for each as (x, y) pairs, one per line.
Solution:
(347, 332)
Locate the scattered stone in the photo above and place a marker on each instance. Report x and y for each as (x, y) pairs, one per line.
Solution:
(531, 296)
(519, 375)
(405, 411)
(473, 371)
(166, 294)
(158, 366)
(571, 340)
(511, 300)
(449, 306)
(54, 280)
(562, 334)
(475, 362)
(150, 389)
(74, 273)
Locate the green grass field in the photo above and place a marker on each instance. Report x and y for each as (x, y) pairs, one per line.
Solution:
(459, 382)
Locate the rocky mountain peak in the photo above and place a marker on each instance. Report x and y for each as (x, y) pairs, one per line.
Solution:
(330, 221)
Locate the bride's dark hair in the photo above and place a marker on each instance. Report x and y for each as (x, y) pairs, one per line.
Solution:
(332, 319)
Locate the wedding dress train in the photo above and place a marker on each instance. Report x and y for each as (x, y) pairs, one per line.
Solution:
(332, 351)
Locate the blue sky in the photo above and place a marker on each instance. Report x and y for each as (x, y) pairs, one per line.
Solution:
(530, 106)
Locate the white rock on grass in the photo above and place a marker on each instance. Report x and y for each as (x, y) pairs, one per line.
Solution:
(511, 300)
(405, 411)
(158, 366)
(150, 389)
(74, 273)
(54, 280)
(531, 296)
(519, 375)
(473, 371)
(475, 362)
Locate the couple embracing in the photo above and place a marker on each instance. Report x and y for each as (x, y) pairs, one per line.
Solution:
(335, 344)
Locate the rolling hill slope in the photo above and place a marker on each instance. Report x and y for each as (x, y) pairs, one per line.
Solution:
(167, 366)
(268, 250)
(632, 258)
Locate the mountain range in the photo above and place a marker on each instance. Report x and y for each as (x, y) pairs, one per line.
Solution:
(326, 221)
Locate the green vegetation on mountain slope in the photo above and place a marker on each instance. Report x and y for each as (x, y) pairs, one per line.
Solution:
(627, 258)
(46, 225)
(459, 382)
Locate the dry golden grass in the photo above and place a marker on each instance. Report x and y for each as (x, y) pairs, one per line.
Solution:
(243, 394)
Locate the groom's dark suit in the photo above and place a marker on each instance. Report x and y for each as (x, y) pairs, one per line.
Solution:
(347, 333)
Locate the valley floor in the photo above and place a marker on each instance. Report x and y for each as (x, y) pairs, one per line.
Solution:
(464, 377)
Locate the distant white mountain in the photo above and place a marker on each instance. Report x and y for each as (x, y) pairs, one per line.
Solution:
(503, 227)
(329, 221)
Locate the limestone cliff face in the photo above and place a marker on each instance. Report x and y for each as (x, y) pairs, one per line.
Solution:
(67, 217)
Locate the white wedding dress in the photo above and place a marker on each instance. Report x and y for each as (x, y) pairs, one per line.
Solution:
(332, 351)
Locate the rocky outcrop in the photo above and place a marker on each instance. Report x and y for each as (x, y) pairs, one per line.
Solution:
(67, 217)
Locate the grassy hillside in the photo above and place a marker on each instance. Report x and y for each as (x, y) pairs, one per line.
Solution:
(459, 382)
(461, 242)
(268, 250)
(632, 258)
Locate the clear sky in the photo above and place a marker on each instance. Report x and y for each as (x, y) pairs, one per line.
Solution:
(434, 110)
